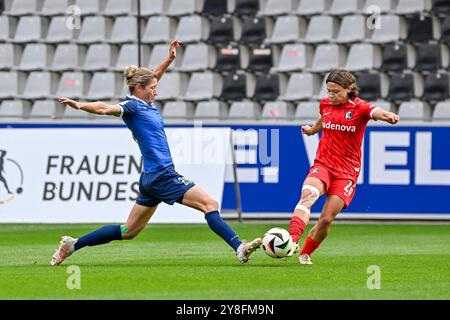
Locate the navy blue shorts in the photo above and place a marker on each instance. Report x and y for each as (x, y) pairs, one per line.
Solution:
(168, 187)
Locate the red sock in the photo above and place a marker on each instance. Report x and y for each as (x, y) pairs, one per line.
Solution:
(296, 228)
(309, 246)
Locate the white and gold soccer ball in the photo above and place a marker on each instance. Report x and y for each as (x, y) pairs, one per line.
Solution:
(277, 243)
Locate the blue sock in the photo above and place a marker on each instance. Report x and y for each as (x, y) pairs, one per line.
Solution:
(222, 229)
(100, 236)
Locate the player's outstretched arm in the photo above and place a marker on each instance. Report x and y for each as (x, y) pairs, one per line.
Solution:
(159, 70)
(98, 107)
(386, 116)
(309, 131)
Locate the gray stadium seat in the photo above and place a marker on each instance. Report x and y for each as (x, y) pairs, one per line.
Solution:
(343, 7)
(382, 6)
(172, 85)
(36, 56)
(307, 111)
(353, 29)
(154, 8)
(31, 29)
(414, 110)
(159, 29)
(413, 6)
(8, 26)
(25, 7)
(295, 57)
(68, 57)
(95, 29)
(10, 55)
(179, 110)
(288, 29)
(383, 104)
(302, 86)
(124, 30)
(277, 110)
(313, 7)
(90, 7)
(321, 29)
(40, 85)
(69, 113)
(104, 85)
(73, 85)
(159, 53)
(184, 7)
(120, 7)
(212, 109)
(58, 31)
(245, 110)
(203, 86)
(100, 57)
(192, 29)
(323, 92)
(43, 109)
(328, 57)
(392, 29)
(197, 57)
(13, 84)
(363, 56)
(55, 7)
(279, 7)
(442, 111)
(128, 55)
(14, 109)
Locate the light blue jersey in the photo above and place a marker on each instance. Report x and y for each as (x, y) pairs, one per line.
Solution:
(147, 126)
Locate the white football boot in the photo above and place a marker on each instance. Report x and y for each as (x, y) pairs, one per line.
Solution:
(294, 249)
(304, 259)
(244, 251)
(66, 248)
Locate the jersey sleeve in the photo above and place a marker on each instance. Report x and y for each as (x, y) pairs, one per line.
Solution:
(127, 108)
(367, 110)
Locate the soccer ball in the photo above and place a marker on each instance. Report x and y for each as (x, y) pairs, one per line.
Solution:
(277, 243)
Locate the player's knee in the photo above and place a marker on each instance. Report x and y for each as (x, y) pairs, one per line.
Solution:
(324, 223)
(309, 196)
(210, 205)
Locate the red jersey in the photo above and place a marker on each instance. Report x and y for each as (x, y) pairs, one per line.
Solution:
(342, 134)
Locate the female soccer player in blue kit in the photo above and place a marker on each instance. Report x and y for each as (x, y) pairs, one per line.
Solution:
(159, 181)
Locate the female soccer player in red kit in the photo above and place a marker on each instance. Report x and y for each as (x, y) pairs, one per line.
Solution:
(343, 119)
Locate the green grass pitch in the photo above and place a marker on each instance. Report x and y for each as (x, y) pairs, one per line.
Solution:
(190, 262)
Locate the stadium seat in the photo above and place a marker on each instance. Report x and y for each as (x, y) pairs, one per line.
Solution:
(363, 57)
(353, 29)
(14, 109)
(95, 29)
(405, 86)
(277, 110)
(40, 85)
(178, 109)
(413, 6)
(68, 57)
(223, 30)
(431, 57)
(73, 85)
(308, 111)
(120, 7)
(203, 86)
(295, 57)
(328, 57)
(436, 87)
(58, 31)
(197, 57)
(288, 29)
(192, 29)
(301, 86)
(10, 56)
(90, 7)
(423, 29)
(246, 7)
(228, 58)
(445, 30)
(159, 29)
(245, 110)
(185, 7)
(159, 53)
(172, 86)
(269, 87)
(104, 85)
(44, 109)
(8, 26)
(69, 113)
(323, 92)
(36, 56)
(343, 7)
(321, 29)
(25, 7)
(31, 29)
(55, 7)
(214, 8)
(441, 7)
(442, 111)
(260, 59)
(154, 8)
(397, 57)
(128, 55)
(13, 83)
(384, 104)
(313, 7)
(212, 109)
(255, 30)
(237, 86)
(124, 30)
(279, 7)
(100, 57)
(392, 29)
(381, 6)
(414, 110)
(372, 86)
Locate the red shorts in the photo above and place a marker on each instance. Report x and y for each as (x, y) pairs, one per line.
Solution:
(336, 183)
